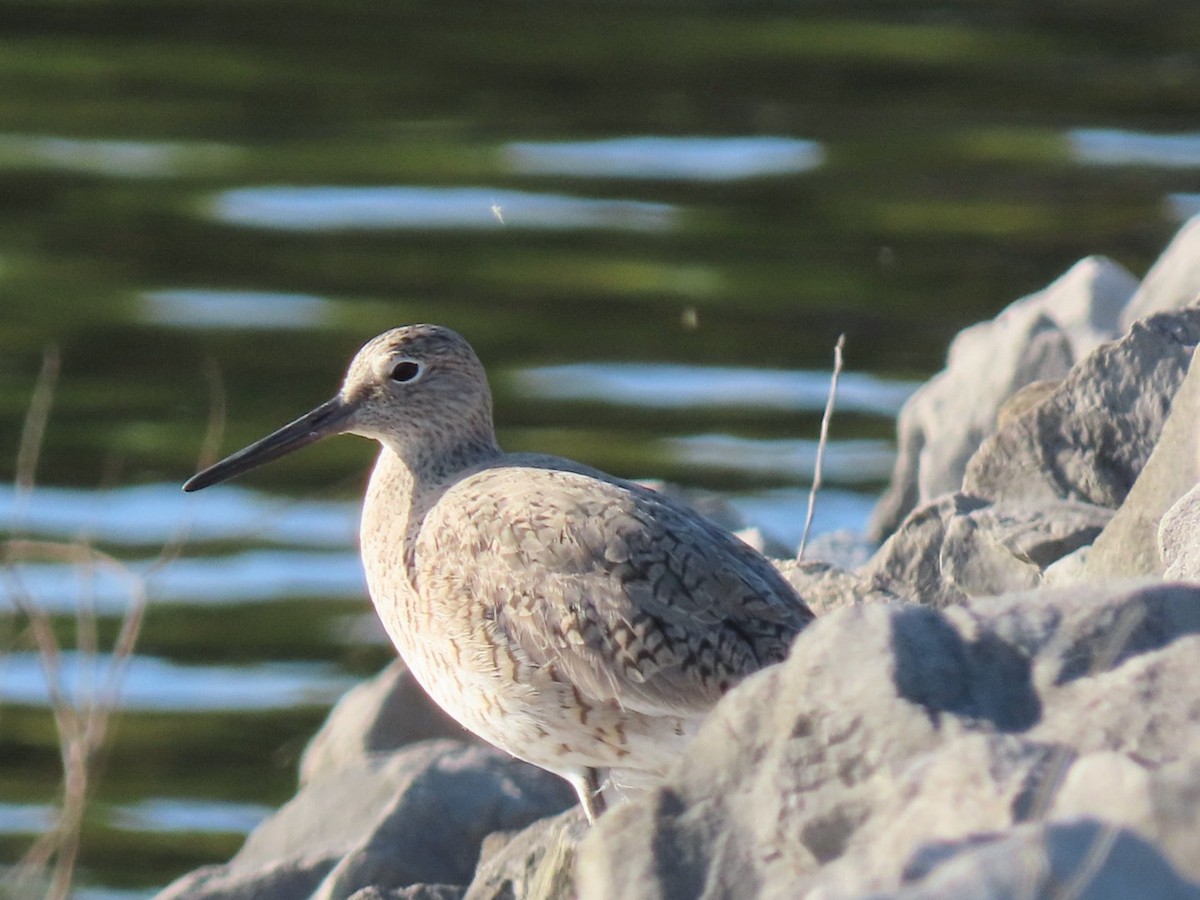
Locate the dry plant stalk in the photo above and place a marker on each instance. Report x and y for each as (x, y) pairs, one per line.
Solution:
(825, 419)
(84, 724)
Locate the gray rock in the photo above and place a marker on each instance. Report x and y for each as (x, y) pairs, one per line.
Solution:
(895, 732)
(1129, 545)
(1071, 569)
(412, 892)
(383, 713)
(416, 816)
(1006, 547)
(1178, 531)
(1173, 282)
(1035, 338)
(1086, 860)
(961, 546)
(1087, 630)
(909, 564)
(992, 779)
(826, 588)
(537, 863)
(1091, 438)
(1025, 399)
(1159, 803)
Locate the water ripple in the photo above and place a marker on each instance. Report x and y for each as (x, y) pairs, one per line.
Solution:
(666, 386)
(113, 159)
(380, 208)
(847, 462)
(203, 308)
(152, 684)
(667, 158)
(151, 514)
(1115, 147)
(252, 577)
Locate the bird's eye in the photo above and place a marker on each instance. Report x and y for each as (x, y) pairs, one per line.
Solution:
(405, 370)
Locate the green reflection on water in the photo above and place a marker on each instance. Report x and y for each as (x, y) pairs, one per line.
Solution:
(947, 191)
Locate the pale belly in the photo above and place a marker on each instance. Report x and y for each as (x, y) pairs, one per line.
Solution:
(517, 707)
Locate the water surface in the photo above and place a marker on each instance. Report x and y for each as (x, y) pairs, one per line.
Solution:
(652, 222)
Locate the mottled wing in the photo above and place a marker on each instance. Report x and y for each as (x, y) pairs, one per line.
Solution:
(628, 595)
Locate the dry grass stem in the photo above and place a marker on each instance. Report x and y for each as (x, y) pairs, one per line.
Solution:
(825, 419)
(84, 717)
(34, 428)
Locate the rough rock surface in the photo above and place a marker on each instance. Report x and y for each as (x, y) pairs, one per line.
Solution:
(980, 710)
(1036, 338)
(1177, 544)
(412, 892)
(838, 775)
(416, 816)
(1091, 437)
(1173, 282)
(964, 546)
(1049, 860)
(536, 864)
(1128, 546)
(383, 713)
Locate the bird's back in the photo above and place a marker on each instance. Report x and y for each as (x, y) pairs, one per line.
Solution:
(632, 597)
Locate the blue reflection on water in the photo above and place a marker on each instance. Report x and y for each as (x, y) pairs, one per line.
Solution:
(860, 461)
(250, 577)
(114, 159)
(1184, 206)
(780, 513)
(667, 158)
(26, 818)
(1115, 147)
(367, 208)
(203, 308)
(159, 814)
(675, 387)
(156, 814)
(155, 513)
(150, 683)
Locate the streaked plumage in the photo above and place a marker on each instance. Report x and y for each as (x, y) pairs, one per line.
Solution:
(575, 620)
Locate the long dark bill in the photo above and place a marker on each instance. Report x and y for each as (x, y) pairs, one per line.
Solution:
(326, 419)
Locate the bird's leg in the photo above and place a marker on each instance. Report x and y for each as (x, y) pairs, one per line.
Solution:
(591, 795)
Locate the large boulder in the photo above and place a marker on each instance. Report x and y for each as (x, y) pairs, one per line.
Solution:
(1090, 438)
(893, 732)
(962, 546)
(1128, 546)
(1178, 531)
(1173, 282)
(1034, 339)
(388, 821)
(537, 863)
(383, 713)
(1084, 859)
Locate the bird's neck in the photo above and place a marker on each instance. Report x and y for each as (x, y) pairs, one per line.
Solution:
(405, 485)
(433, 467)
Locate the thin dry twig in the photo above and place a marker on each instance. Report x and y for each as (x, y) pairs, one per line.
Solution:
(825, 419)
(34, 428)
(83, 723)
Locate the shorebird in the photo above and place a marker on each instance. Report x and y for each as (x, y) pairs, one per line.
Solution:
(577, 621)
